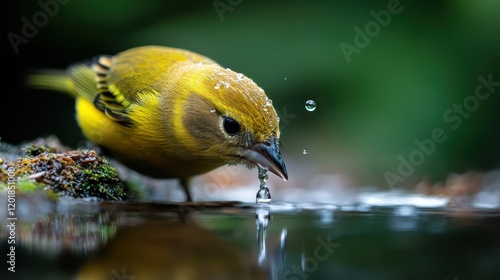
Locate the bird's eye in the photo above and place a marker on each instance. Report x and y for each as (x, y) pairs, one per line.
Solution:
(231, 126)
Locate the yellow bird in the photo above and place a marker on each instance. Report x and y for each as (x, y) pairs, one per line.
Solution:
(171, 113)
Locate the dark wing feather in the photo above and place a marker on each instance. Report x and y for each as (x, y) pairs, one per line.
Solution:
(91, 82)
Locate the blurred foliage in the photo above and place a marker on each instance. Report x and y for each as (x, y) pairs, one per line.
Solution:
(370, 111)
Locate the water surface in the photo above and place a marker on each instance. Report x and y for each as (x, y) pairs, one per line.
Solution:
(233, 240)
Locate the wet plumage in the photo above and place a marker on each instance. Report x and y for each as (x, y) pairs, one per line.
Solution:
(171, 113)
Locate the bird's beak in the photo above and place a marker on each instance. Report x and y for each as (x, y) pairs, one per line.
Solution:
(268, 155)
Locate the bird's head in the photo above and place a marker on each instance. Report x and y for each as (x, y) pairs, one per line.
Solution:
(231, 120)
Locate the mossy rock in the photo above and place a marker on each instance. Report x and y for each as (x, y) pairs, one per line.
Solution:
(73, 173)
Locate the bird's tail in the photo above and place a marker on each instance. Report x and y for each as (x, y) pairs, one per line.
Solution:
(56, 80)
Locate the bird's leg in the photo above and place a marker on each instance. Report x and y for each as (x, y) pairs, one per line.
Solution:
(185, 182)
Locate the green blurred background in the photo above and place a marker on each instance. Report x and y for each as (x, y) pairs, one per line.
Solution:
(369, 111)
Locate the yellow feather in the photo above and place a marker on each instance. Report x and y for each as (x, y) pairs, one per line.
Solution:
(53, 80)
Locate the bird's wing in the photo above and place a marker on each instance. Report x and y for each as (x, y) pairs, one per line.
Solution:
(116, 84)
(92, 82)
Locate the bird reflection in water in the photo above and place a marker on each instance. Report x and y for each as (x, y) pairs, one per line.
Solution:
(153, 241)
(170, 250)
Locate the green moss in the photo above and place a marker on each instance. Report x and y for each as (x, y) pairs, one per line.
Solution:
(102, 181)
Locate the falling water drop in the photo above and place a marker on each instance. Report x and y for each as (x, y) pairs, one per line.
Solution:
(263, 177)
(262, 217)
(263, 195)
(305, 152)
(310, 105)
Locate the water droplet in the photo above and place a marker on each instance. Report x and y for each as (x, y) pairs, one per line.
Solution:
(305, 152)
(285, 79)
(221, 83)
(212, 111)
(263, 195)
(269, 102)
(240, 76)
(310, 105)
